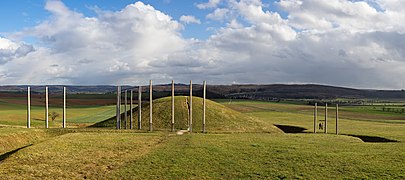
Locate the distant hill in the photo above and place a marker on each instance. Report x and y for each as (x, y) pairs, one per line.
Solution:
(59, 88)
(304, 91)
(246, 91)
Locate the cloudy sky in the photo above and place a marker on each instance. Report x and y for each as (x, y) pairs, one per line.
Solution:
(350, 43)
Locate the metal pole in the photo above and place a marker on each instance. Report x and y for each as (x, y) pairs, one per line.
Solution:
(118, 111)
(315, 115)
(46, 108)
(191, 106)
(337, 118)
(150, 105)
(29, 107)
(130, 111)
(64, 108)
(140, 107)
(125, 109)
(326, 118)
(204, 97)
(172, 105)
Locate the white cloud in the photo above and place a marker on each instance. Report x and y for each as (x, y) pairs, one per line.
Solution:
(354, 16)
(209, 4)
(219, 14)
(189, 19)
(84, 50)
(391, 5)
(355, 46)
(339, 42)
(6, 44)
(10, 50)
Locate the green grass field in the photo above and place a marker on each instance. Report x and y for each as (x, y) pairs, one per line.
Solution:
(356, 120)
(16, 115)
(234, 153)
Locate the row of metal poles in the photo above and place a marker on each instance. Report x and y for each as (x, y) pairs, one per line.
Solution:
(46, 108)
(190, 107)
(325, 125)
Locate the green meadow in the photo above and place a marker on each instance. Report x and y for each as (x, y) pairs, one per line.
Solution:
(75, 116)
(242, 142)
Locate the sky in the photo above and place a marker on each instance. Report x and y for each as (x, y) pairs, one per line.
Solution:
(350, 43)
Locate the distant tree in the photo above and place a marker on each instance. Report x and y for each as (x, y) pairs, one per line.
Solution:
(53, 115)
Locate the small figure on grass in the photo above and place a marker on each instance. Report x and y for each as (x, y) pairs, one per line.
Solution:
(320, 126)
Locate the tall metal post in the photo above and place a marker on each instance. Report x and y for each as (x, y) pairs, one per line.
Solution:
(191, 106)
(172, 105)
(46, 108)
(140, 107)
(315, 115)
(150, 105)
(125, 109)
(64, 108)
(118, 111)
(337, 118)
(29, 107)
(130, 111)
(204, 97)
(326, 118)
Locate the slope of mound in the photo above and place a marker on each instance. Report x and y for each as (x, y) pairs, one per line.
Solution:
(218, 117)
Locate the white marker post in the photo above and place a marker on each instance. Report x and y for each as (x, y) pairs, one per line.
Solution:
(125, 109)
(150, 105)
(140, 107)
(337, 118)
(326, 118)
(315, 115)
(46, 108)
(172, 105)
(118, 110)
(191, 106)
(29, 107)
(130, 111)
(204, 97)
(64, 108)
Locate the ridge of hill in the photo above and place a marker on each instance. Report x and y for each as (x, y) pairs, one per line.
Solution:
(242, 91)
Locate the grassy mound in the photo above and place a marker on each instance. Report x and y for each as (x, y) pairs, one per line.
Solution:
(218, 117)
(13, 138)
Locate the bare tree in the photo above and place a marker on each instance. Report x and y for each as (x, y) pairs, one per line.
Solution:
(54, 115)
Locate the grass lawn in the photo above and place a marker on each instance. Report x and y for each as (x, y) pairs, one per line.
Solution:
(78, 155)
(105, 153)
(13, 138)
(16, 115)
(274, 156)
(352, 120)
(125, 154)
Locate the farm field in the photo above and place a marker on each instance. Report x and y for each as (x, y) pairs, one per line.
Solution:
(244, 153)
(82, 110)
(353, 120)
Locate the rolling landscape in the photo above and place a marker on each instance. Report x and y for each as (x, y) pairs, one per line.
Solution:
(245, 138)
(202, 89)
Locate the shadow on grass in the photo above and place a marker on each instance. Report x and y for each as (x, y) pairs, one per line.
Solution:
(8, 154)
(290, 129)
(373, 139)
